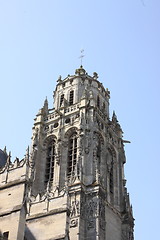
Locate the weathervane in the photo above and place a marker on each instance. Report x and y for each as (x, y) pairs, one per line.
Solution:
(82, 56)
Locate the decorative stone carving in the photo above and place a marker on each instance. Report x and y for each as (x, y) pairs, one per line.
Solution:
(74, 212)
(70, 132)
(16, 162)
(97, 154)
(89, 209)
(95, 75)
(127, 234)
(59, 79)
(87, 141)
(91, 94)
(74, 209)
(35, 138)
(58, 151)
(90, 224)
(73, 222)
(48, 194)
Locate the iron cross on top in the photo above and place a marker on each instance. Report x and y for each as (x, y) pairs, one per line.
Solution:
(82, 56)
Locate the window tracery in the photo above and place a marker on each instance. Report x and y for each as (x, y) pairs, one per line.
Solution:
(50, 162)
(72, 156)
(71, 97)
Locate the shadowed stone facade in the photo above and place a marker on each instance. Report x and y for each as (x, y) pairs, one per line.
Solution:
(71, 184)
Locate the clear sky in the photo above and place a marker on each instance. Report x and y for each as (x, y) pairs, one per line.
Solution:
(42, 39)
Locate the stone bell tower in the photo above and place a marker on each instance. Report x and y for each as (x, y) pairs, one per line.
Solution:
(77, 188)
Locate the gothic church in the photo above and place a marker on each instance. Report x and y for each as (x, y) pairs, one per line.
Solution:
(71, 184)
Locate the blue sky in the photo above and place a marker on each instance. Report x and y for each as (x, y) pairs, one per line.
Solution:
(42, 39)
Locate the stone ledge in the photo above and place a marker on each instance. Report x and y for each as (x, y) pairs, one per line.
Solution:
(52, 212)
(15, 209)
(13, 183)
(60, 237)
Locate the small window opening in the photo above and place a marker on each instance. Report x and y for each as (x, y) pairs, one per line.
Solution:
(104, 106)
(71, 97)
(98, 101)
(5, 235)
(61, 99)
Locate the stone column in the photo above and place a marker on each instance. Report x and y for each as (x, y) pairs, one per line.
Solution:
(57, 164)
(63, 165)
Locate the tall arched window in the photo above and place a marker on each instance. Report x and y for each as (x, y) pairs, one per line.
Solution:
(71, 97)
(50, 160)
(111, 172)
(110, 163)
(72, 155)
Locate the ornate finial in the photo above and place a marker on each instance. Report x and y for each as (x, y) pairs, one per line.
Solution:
(59, 79)
(81, 56)
(85, 93)
(95, 75)
(80, 71)
(46, 101)
(45, 106)
(9, 158)
(114, 117)
(27, 153)
(5, 150)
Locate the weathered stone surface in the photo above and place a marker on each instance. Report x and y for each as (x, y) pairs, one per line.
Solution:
(71, 184)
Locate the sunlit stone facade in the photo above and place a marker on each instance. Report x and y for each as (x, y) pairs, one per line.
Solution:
(71, 183)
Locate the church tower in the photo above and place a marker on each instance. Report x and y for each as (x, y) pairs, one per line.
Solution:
(71, 184)
(78, 166)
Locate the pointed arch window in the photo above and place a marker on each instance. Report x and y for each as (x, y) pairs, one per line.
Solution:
(72, 156)
(50, 161)
(71, 97)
